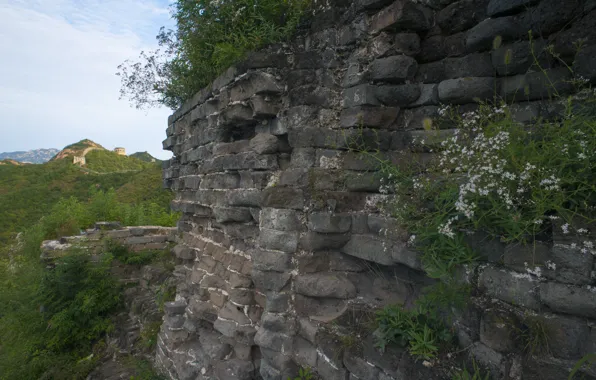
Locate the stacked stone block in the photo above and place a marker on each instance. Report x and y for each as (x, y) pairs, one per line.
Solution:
(284, 244)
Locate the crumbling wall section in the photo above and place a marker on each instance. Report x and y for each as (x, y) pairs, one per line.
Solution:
(284, 244)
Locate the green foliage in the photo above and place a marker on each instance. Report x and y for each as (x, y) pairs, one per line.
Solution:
(534, 336)
(125, 256)
(81, 145)
(50, 320)
(105, 161)
(31, 191)
(209, 37)
(165, 293)
(420, 329)
(144, 156)
(475, 375)
(303, 374)
(149, 335)
(77, 297)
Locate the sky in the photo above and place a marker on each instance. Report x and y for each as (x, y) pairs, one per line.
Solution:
(58, 64)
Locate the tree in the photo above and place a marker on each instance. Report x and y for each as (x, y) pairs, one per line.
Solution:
(210, 36)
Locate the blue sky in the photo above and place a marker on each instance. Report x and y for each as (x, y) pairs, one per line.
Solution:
(58, 61)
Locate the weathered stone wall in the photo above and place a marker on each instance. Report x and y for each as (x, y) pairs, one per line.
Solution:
(136, 239)
(284, 246)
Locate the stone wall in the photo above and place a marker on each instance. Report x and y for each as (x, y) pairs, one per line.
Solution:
(285, 249)
(136, 239)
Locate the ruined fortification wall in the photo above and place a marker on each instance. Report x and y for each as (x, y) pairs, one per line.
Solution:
(283, 243)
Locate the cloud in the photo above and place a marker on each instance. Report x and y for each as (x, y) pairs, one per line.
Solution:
(58, 60)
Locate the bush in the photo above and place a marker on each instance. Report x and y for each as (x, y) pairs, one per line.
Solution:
(420, 330)
(210, 36)
(77, 297)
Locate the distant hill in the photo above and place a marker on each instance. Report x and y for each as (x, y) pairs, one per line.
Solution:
(144, 156)
(80, 148)
(37, 156)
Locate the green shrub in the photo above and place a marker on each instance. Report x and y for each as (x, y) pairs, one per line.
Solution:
(420, 330)
(78, 297)
(209, 37)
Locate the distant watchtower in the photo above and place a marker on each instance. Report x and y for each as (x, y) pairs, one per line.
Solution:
(79, 160)
(120, 151)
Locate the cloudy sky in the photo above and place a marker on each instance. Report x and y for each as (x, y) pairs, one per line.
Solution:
(58, 60)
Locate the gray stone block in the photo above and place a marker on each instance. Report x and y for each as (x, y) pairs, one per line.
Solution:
(482, 36)
(585, 63)
(234, 369)
(271, 261)
(568, 338)
(490, 358)
(402, 15)
(365, 116)
(325, 285)
(329, 223)
(498, 330)
(278, 240)
(572, 266)
(362, 95)
(175, 308)
(268, 372)
(396, 69)
(407, 44)
(278, 302)
(273, 341)
(467, 90)
(306, 353)
(400, 95)
(550, 16)
(220, 181)
(280, 219)
(256, 82)
(369, 248)
(537, 85)
(264, 143)
(429, 95)
(461, 15)
(231, 148)
(471, 65)
(274, 281)
(232, 214)
(314, 241)
(516, 288)
(503, 7)
(283, 197)
(359, 367)
(569, 299)
(264, 107)
(245, 198)
(517, 58)
(303, 158)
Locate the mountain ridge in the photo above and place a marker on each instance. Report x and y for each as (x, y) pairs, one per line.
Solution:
(34, 156)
